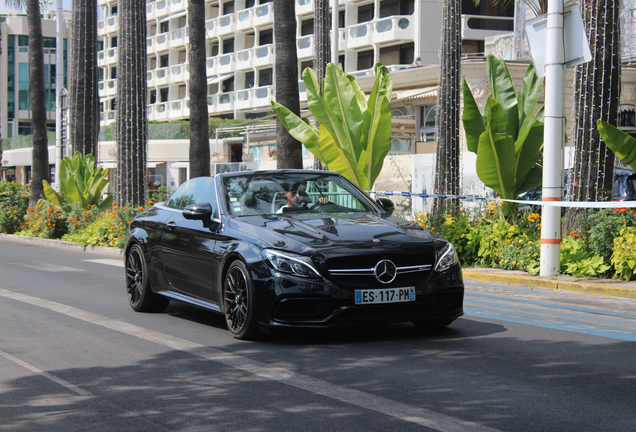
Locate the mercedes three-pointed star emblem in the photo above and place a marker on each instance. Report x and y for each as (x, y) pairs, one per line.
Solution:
(385, 271)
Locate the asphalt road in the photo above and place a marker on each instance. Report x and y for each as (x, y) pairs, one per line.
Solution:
(75, 357)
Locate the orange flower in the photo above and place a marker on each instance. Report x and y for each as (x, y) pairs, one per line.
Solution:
(623, 210)
(126, 208)
(24, 196)
(114, 207)
(433, 228)
(151, 202)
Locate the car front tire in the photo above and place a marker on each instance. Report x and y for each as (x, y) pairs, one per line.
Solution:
(239, 302)
(140, 295)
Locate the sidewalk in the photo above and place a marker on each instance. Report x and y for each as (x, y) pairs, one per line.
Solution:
(608, 287)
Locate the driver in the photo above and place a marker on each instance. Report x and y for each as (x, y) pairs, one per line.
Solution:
(296, 197)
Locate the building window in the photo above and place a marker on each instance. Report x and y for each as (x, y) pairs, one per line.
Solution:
(113, 72)
(164, 61)
(23, 40)
(365, 13)
(113, 42)
(265, 77)
(365, 60)
(163, 94)
(228, 46)
(24, 102)
(307, 27)
(164, 26)
(265, 37)
(25, 128)
(428, 131)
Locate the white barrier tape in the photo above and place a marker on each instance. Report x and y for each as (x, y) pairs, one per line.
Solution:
(612, 204)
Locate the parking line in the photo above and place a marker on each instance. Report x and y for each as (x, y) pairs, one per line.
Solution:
(368, 401)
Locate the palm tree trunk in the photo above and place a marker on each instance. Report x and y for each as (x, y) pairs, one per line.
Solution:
(132, 120)
(596, 97)
(289, 154)
(40, 164)
(199, 133)
(84, 94)
(447, 162)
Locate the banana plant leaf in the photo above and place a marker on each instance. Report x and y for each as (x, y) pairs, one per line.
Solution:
(496, 152)
(339, 160)
(472, 119)
(528, 149)
(622, 144)
(528, 98)
(502, 88)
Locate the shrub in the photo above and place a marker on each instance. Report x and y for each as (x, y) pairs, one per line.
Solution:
(624, 255)
(14, 201)
(577, 260)
(521, 253)
(45, 220)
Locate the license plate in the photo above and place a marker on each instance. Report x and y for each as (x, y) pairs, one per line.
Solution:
(389, 295)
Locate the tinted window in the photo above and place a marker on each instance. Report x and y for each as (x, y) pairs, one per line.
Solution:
(176, 199)
(203, 190)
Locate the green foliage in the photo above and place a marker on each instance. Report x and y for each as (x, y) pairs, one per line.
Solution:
(163, 193)
(576, 260)
(354, 135)
(14, 201)
(622, 144)
(624, 256)
(508, 137)
(457, 226)
(81, 182)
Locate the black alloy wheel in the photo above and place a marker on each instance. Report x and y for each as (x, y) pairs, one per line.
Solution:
(238, 302)
(140, 296)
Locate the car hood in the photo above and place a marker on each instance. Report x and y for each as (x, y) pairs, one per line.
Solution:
(306, 234)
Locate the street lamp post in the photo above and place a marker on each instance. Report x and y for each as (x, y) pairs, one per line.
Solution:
(554, 139)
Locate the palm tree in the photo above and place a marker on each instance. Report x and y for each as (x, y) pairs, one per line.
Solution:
(199, 133)
(448, 117)
(596, 96)
(132, 120)
(289, 150)
(40, 163)
(84, 98)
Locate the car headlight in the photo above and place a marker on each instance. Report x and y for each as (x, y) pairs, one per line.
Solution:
(446, 258)
(291, 263)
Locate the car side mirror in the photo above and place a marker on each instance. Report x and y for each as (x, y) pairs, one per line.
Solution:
(200, 211)
(386, 204)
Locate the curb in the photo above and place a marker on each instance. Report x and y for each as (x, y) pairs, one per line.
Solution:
(62, 245)
(554, 283)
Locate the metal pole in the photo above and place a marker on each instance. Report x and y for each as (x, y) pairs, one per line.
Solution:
(334, 31)
(554, 139)
(59, 83)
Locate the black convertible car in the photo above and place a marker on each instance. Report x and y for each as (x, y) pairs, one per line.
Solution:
(289, 248)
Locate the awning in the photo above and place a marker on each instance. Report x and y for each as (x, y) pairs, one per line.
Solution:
(219, 78)
(409, 95)
(180, 165)
(177, 15)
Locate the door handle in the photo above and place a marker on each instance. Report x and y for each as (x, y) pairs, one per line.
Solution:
(171, 225)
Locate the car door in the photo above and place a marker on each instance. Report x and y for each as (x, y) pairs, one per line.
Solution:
(189, 246)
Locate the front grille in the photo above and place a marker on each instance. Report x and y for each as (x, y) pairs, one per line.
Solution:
(358, 271)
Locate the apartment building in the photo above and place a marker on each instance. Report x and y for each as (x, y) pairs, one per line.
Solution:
(402, 34)
(16, 125)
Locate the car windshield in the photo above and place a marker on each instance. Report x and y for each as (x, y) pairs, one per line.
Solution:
(277, 193)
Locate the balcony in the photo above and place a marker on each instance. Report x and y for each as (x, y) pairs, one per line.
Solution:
(178, 37)
(479, 27)
(210, 66)
(264, 14)
(255, 57)
(111, 87)
(179, 73)
(305, 46)
(150, 11)
(161, 9)
(360, 35)
(112, 24)
(304, 7)
(160, 42)
(161, 77)
(101, 28)
(226, 64)
(254, 97)
(394, 28)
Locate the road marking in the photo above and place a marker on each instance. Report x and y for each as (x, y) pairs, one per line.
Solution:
(53, 268)
(107, 261)
(60, 381)
(368, 401)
